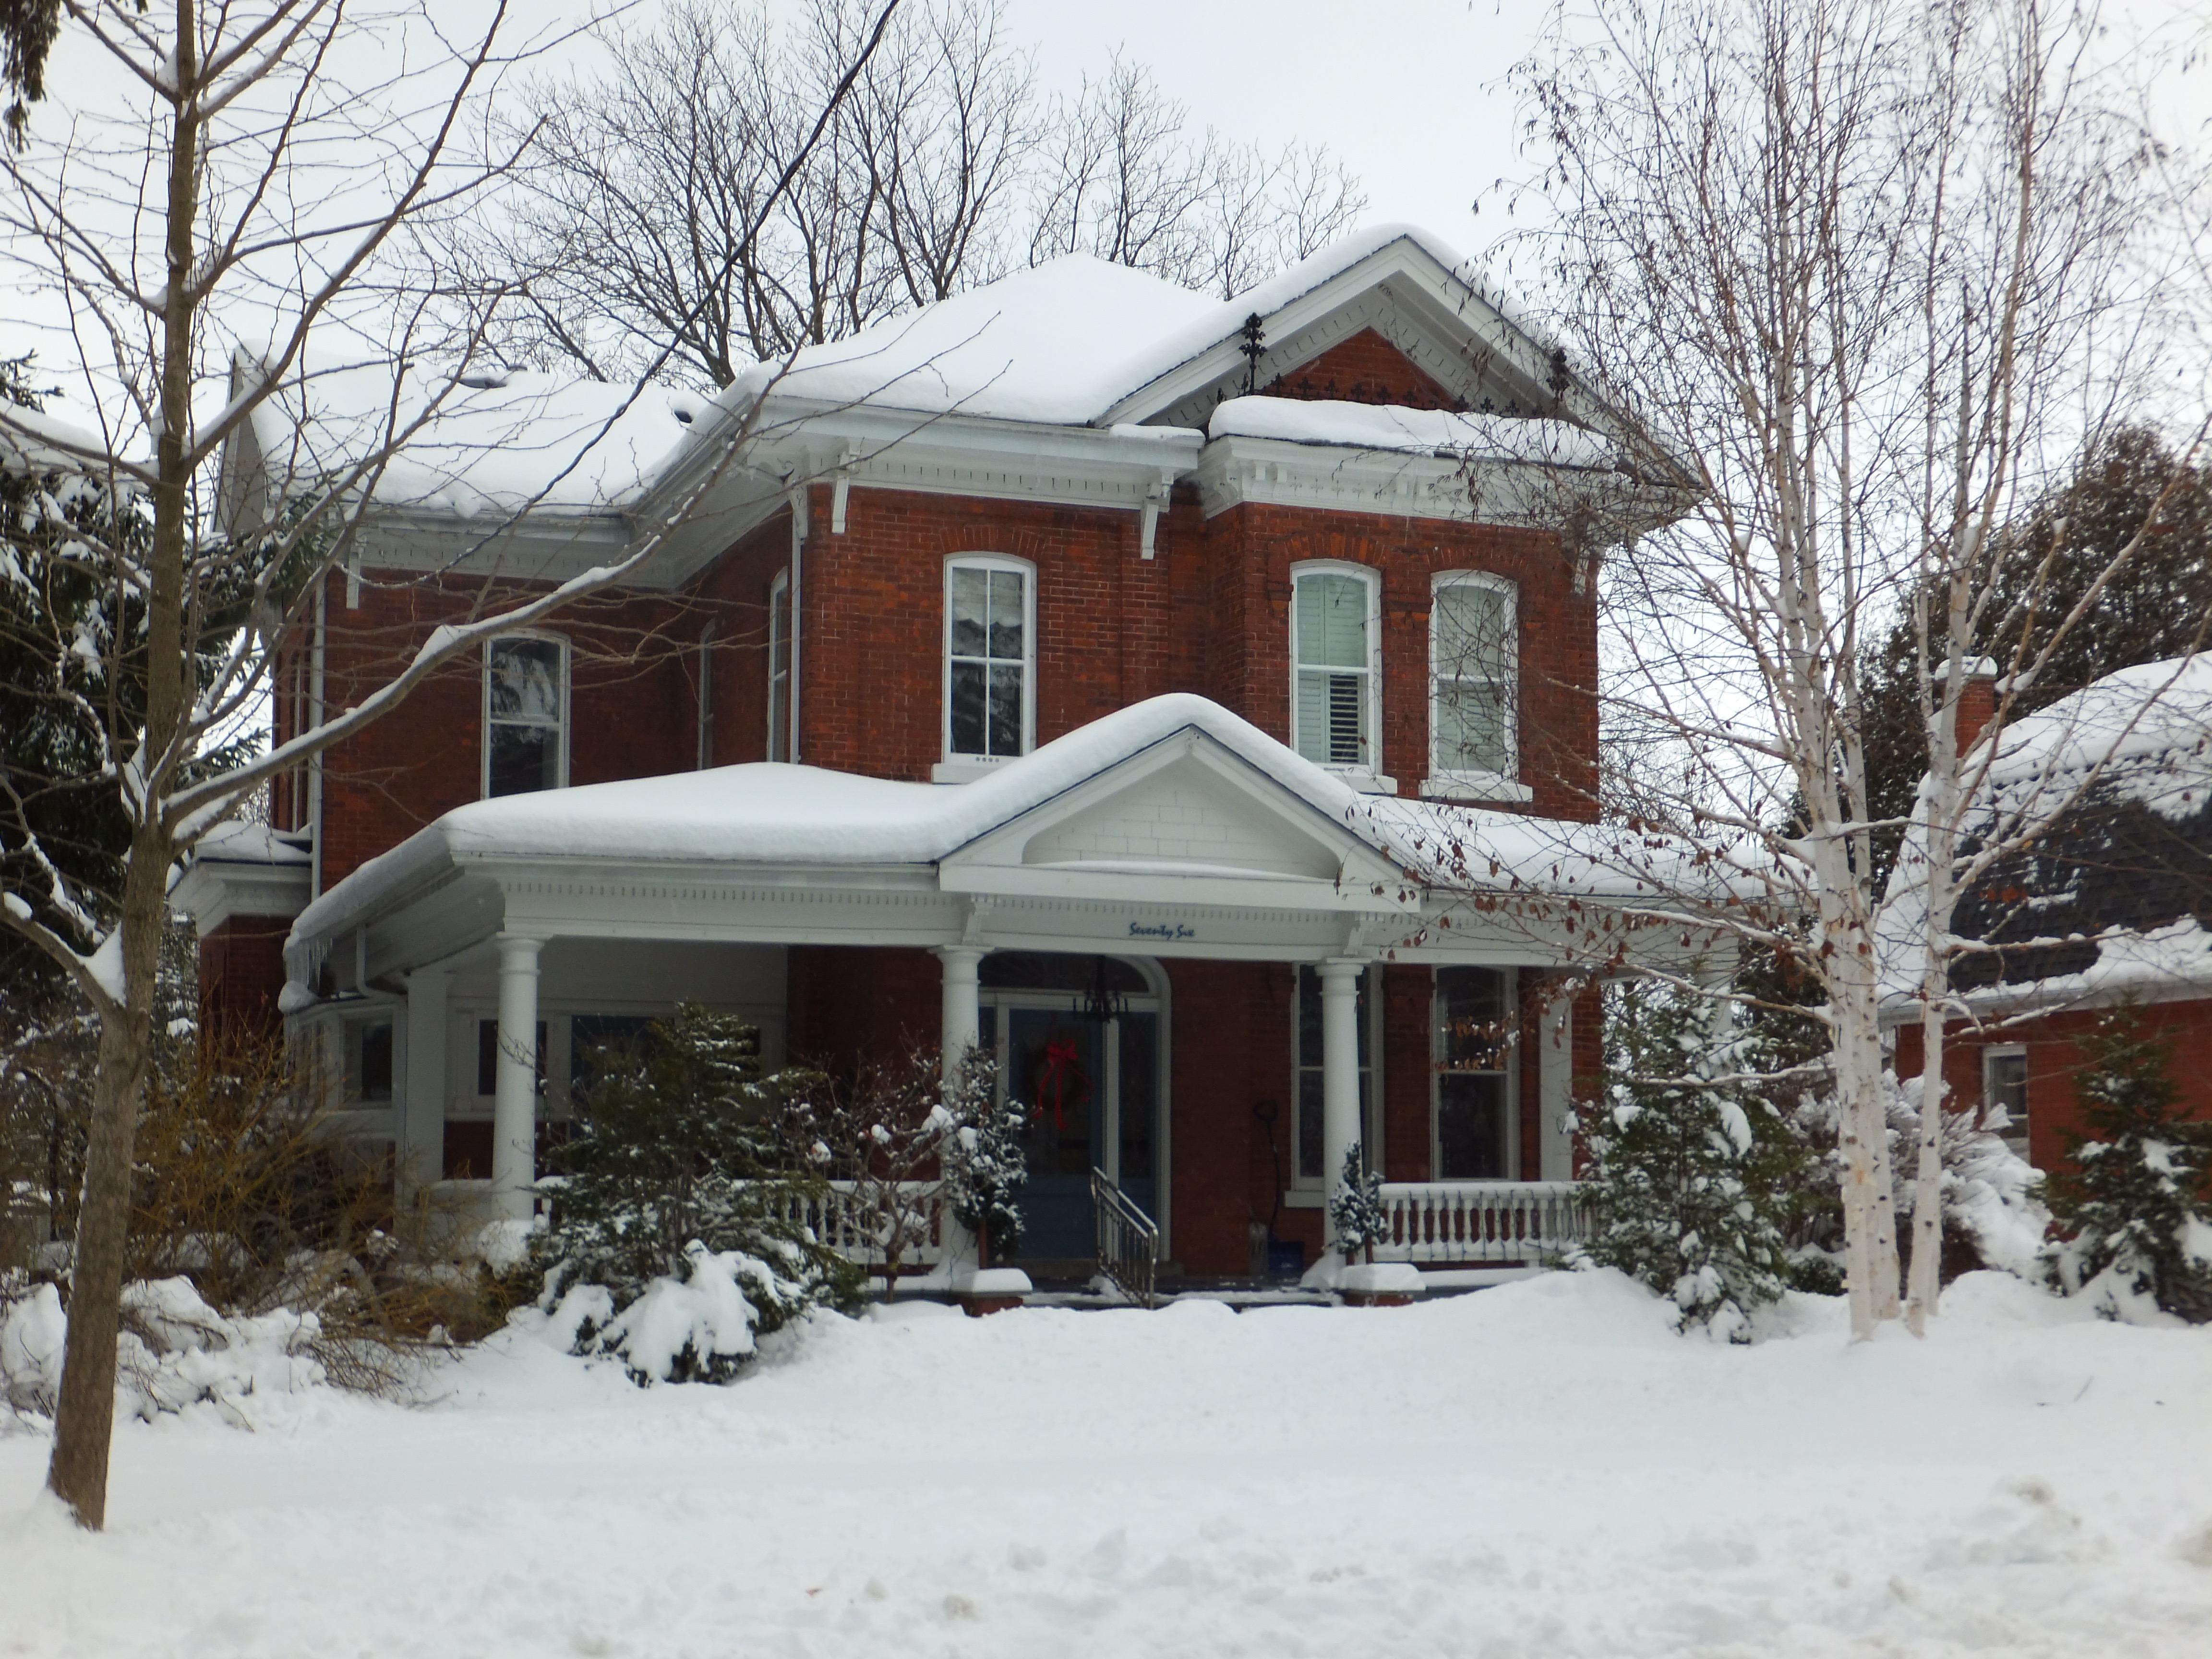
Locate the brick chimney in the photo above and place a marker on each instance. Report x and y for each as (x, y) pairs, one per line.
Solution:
(1977, 700)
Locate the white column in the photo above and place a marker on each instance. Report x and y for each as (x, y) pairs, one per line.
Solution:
(423, 1106)
(515, 1106)
(961, 1024)
(1339, 1070)
(1555, 1061)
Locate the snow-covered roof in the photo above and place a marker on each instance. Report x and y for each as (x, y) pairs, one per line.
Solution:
(2108, 794)
(490, 443)
(774, 814)
(31, 440)
(1391, 430)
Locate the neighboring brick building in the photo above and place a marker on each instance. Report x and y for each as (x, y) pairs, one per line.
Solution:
(1068, 506)
(2107, 794)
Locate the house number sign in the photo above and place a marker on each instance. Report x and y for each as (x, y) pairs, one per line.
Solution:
(1167, 930)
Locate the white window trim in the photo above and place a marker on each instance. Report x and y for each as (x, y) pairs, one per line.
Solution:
(778, 611)
(2016, 1132)
(1448, 784)
(1305, 1191)
(966, 768)
(706, 756)
(484, 706)
(1512, 1003)
(1368, 780)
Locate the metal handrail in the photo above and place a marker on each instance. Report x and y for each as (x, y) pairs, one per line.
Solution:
(1128, 1240)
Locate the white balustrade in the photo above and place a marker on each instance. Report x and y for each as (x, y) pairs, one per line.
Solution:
(849, 1224)
(1479, 1221)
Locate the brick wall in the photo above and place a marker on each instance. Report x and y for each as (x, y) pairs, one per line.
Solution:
(2056, 1057)
(1363, 369)
(242, 973)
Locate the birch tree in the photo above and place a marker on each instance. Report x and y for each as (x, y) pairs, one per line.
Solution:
(219, 218)
(1858, 278)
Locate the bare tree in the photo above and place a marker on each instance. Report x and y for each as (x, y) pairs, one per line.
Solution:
(245, 195)
(1858, 278)
(1121, 176)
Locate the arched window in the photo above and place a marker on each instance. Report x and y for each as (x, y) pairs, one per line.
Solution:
(990, 662)
(525, 712)
(1336, 667)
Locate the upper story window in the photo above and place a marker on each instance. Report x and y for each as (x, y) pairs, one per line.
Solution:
(707, 696)
(779, 667)
(1473, 1119)
(990, 661)
(1336, 672)
(1473, 673)
(526, 715)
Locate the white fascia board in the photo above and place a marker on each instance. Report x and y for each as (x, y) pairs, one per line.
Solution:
(1411, 277)
(1162, 888)
(540, 544)
(969, 455)
(214, 890)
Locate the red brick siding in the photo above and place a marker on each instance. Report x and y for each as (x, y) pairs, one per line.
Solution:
(1365, 369)
(2056, 1057)
(242, 973)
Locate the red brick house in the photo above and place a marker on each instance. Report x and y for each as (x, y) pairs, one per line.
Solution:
(1079, 634)
(2109, 901)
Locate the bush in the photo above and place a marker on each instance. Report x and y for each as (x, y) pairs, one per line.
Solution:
(678, 1231)
(1690, 1180)
(986, 1160)
(2138, 1202)
(1356, 1214)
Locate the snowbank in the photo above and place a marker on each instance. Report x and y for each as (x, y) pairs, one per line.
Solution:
(1537, 1469)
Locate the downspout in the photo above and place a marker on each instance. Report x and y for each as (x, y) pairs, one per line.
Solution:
(314, 723)
(799, 520)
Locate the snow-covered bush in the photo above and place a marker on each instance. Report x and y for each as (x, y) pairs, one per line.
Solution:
(174, 1350)
(986, 1161)
(1357, 1218)
(2138, 1203)
(678, 1196)
(1690, 1177)
(1992, 1211)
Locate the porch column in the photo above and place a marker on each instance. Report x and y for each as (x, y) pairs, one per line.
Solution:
(962, 1022)
(1555, 1090)
(1339, 1072)
(515, 1106)
(960, 1025)
(423, 1107)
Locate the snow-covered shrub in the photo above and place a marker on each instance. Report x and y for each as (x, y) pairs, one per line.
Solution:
(678, 1191)
(1689, 1176)
(1992, 1211)
(174, 1350)
(1358, 1221)
(986, 1162)
(2138, 1203)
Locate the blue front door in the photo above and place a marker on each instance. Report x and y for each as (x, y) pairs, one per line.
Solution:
(1090, 1091)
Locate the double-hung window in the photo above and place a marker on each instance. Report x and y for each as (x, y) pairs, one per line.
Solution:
(1473, 671)
(526, 715)
(1473, 1054)
(2004, 1083)
(779, 667)
(1336, 675)
(990, 662)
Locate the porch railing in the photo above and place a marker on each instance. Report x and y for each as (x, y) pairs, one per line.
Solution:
(1128, 1240)
(1479, 1221)
(857, 1221)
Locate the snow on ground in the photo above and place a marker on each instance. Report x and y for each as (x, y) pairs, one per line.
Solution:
(1537, 1469)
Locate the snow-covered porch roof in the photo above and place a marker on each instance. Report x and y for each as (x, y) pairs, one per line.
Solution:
(1170, 829)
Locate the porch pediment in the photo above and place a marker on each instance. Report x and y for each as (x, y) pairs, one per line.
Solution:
(1184, 817)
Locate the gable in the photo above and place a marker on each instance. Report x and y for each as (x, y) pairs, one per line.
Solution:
(1183, 815)
(1363, 369)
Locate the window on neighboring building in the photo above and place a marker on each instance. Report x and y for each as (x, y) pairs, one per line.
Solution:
(990, 658)
(526, 715)
(1306, 1058)
(1472, 668)
(1336, 678)
(779, 667)
(1473, 1055)
(2004, 1083)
